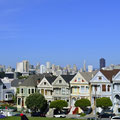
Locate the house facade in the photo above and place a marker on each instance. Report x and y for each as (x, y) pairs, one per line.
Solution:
(45, 88)
(116, 93)
(101, 85)
(80, 87)
(61, 88)
(29, 86)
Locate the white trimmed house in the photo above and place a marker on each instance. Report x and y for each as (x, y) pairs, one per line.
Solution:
(116, 93)
(101, 85)
(45, 87)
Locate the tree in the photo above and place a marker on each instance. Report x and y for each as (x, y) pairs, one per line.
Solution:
(83, 103)
(58, 104)
(103, 102)
(35, 102)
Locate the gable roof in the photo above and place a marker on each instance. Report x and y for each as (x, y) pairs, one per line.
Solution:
(109, 74)
(88, 75)
(33, 80)
(51, 79)
(67, 78)
(17, 82)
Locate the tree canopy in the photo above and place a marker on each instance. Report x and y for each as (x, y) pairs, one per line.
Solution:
(58, 104)
(82, 103)
(103, 102)
(35, 102)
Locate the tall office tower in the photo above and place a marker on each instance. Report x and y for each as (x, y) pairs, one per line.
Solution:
(102, 63)
(48, 65)
(84, 66)
(22, 67)
(25, 66)
(75, 68)
(19, 67)
(90, 68)
(42, 69)
(38, 68)
(53, 67)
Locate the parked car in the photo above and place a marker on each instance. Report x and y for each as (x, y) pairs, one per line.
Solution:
(37, 114)
(60, 116)
(2, 116)
(106, 115)
(115, 118)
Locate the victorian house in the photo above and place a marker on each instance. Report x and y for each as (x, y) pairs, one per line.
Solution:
(80, 87)
(61, 88)
(45, 87)
(116, 93)
(101, 85)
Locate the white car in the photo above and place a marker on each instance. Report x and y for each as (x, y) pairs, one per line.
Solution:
(60, 116)
(115, 118)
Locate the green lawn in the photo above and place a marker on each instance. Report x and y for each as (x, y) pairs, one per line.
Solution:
(35, 118)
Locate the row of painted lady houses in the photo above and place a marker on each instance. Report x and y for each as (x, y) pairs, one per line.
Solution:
(103, 83)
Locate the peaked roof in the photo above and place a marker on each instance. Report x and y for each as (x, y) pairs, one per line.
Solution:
(17, 82)
(109, 74)
(51, 79)
(88, 75)
(33, 80)
(67, 78)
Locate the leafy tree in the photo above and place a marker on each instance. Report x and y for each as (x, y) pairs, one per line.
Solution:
(58, 104)
(36, 102)
(83, 103)
(103, 102)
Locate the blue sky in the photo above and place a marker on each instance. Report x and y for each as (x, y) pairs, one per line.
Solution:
(60, 31)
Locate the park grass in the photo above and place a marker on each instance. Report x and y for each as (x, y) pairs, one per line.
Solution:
(36, 118)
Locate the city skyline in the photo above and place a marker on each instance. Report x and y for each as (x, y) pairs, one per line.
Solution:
(62, 32)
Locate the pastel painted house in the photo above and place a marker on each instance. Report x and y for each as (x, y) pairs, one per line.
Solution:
(102, 86)
(80, 88)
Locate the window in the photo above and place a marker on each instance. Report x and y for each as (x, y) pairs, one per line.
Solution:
(108, 87)
(19, 101)
(78, 79)
(75, 90)
(87, 88)
(21, 90)
(82, 88)
(104, 88)
(42, 91)
(63, 91)
(100, 78)
(60, 81)
(32, 90)
(28, 91)
(44, 83)
(45, 92)
(6, 96)
(67, 91)
(57, 91)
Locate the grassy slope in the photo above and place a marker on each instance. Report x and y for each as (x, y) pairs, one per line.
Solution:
(35, 118)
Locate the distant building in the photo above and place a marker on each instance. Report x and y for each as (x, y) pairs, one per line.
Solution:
(102, 63)
(48, 65)
(84, 66)
(42, 69)
(22, 66)
(90, 68)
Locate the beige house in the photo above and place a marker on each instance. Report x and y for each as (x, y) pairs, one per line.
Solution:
(80, 87)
